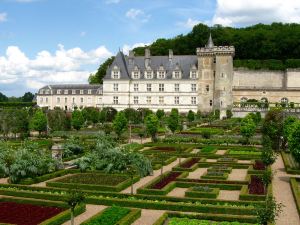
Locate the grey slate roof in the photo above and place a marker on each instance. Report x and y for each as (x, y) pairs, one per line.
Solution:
(95, 88)
(184, 62)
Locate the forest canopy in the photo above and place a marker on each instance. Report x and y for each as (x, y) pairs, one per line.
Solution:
(275, 46)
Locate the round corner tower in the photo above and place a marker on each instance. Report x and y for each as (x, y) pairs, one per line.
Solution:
(215, 67)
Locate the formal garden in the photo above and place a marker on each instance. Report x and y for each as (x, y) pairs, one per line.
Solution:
(142, 167)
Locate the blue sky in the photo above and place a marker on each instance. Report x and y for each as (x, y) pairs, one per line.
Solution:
(63, 41)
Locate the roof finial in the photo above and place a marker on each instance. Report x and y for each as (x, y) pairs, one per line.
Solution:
(210, 43)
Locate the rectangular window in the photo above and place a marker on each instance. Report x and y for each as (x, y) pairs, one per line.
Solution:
(149, 100)
(89, 91)
(73, 100)
(176, 100)
(176, 88)
(136, 75)
(81, 92)
(116, 87)
(193, 87)
(58, 92)
(161, 74)
(161, 100)
(149, 75)
(57, 100)
(176, 75)
(116, 100)
(135, 100)
(41, 100)
(161, 87)
(81, 100)
(210, 102)
(149, 87)
(115, 74)
(136, 87)
(73, 92)
(194, 74)
(66, 100)
(207, 88)
(193, 100)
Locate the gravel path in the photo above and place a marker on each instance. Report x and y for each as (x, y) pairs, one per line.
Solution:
(229, 195)
(177, 192)
(197, 173)
(91, 210)
(244, 161)
(148, 217)
(221, 152)
(4, 181)
(237, 174)
(147, 179)
(283, 193)
(211, 160)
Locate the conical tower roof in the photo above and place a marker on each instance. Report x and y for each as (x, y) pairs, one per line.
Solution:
(210, 43)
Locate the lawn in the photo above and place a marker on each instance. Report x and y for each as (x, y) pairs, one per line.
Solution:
(94, 179)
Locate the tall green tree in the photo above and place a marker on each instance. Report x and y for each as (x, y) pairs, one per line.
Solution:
(27, 97)
(57, 119)
(77, 120)
(288, 124)
(191, 116)
(151, 122)
(173, 120)
(120, 123)
(38, 122)
(247, 128)
(97, 78)
(294, 141)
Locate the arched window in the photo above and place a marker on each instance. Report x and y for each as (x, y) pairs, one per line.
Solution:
(284, 102)
(264, 102)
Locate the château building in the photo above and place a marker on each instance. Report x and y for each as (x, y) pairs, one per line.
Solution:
(206, 81)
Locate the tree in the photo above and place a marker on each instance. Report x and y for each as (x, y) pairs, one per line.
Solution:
(294, 141)
(107, 114)
(131, 171)
(268, 156)
(3, 98)
(77, 119)
(73, 199)
(97, 78)
(27, 97)
(247, 128)
(151, 122)
(267, 177)
(57, 119)
(160, 113)
(191, 116)
(288, 125)
(90, 114)
(173, 120)
(268, 212)
(273, 126)
(120, 123)
(38, 122)
(131, 115)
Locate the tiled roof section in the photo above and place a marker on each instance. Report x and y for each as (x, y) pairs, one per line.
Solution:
(184, 62)
(96, 89)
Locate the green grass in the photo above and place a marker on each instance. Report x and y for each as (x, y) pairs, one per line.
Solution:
(238, 152)
(109, 216)
(94, 178)
(187, 221)
(208, 149)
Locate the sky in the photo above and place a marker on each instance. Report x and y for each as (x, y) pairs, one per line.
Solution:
(63, 41)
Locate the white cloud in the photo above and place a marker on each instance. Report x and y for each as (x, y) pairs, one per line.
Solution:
(190, 23)
(137, 14)
(241, 13)
(126, 48)
(112, 1)
(3, 17)
(64, 66)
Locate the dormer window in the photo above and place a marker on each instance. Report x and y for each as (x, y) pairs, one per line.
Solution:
(58, 92)
(89, 91)
(115, 73)
(73, 92)
(66, 92)
(81, 92)
(176, 75)
(47, 92)
(161, 74)
(194, 74)
(148, 74)
(136, 75)
(41, 91)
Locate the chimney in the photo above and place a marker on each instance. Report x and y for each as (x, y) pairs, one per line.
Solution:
(147, 57)
(131, 57)
(170, 55)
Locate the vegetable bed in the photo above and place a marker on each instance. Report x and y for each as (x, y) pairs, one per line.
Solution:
(187, 221)
(26, 214)
(166, 180)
